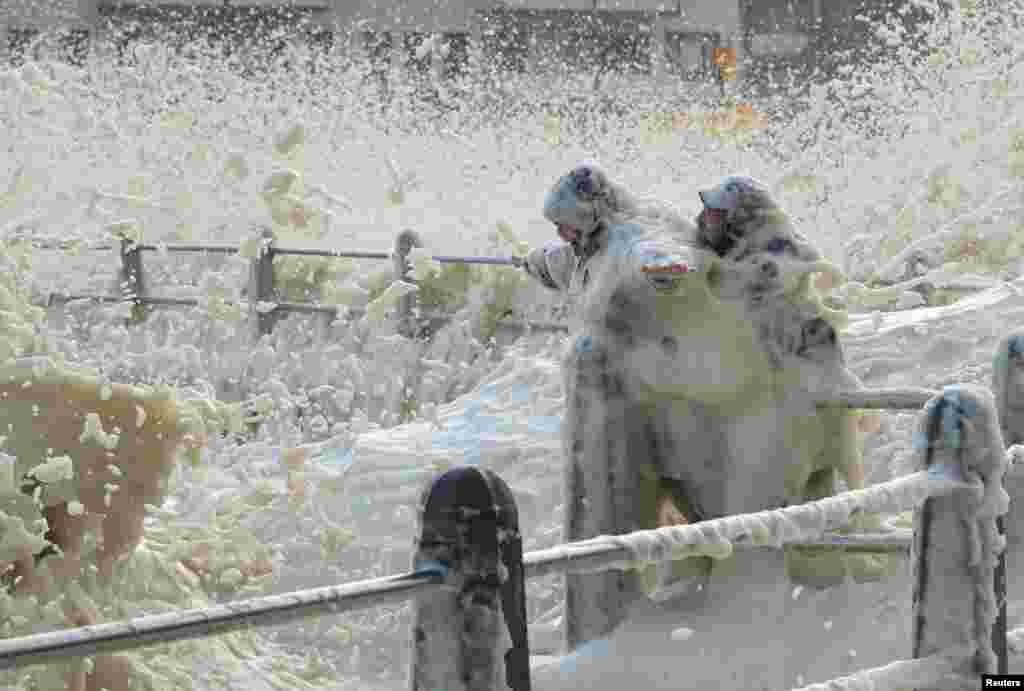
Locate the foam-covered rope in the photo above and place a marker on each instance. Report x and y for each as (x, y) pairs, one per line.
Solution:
(776, 527)
(902, 674)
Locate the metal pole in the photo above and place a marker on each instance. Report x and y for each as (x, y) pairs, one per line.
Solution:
(261, 284)
(404, 243)
(146, 631)
(133, 279)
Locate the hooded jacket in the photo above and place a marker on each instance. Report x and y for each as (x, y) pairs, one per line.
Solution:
(754, 223)
(606, 216)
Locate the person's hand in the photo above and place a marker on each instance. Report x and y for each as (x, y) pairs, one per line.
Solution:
(680, 267)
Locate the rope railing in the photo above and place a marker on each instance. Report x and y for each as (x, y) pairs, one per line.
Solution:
(791, 525)
(584, 556)
(468, 539)
(274, 610)
(906, 398)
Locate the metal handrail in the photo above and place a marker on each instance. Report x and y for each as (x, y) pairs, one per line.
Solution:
(16, 653)
(285, 250)
(300, 307)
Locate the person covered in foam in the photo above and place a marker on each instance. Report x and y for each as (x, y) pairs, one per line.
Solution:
(602, 229)
(587, 209)
(741, 219)
(710, 340)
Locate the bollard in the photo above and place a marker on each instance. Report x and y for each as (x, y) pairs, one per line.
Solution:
(999, 627)
(960, 427)
(602, 487)
(470, 634)
(261, 285)
(404, 243)
(1008, 385)
(133, 280)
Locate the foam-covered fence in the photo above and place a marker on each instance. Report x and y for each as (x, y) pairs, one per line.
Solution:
(469, 569)
(262, 291)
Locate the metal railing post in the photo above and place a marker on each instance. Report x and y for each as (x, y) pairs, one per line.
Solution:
(470, 635)
(261, 285)
(133, 279)
(949, 540)
(404, 243)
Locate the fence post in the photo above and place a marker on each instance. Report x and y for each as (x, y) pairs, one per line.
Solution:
(133, 279)
(468, 631)
(602, 487)
(404, 243)
(261, 284)
(946, 534)
(1008, 387)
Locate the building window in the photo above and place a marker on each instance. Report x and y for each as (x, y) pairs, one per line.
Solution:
(689, 54)
(18, 43)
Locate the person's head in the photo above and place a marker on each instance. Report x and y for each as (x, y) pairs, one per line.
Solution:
(580, 201)
(718, 224)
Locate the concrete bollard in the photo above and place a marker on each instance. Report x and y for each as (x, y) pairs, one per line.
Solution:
(470, 634)
(952, 546)
(1008, 386)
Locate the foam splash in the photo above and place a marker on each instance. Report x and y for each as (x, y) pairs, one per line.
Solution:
(72, 126)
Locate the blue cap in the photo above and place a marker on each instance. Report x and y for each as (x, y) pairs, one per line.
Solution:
(725, 195)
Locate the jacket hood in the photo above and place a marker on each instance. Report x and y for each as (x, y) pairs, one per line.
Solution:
(582, 198)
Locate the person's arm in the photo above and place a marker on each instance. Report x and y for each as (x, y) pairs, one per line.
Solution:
(551, 265)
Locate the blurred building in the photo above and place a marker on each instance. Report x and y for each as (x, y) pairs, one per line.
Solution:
(654, 36)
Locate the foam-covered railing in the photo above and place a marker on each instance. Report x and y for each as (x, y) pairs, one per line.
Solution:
(469, 569)
(265, 304)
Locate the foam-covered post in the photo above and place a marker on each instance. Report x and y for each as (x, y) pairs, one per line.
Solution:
(659, 44)
(999, 627)
(602, 487)
(133, 279)
(476, 46)
(1008, 386)
(437, 61)
(957, 545)
(470, 634)
(261, 284)
(404, 243)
